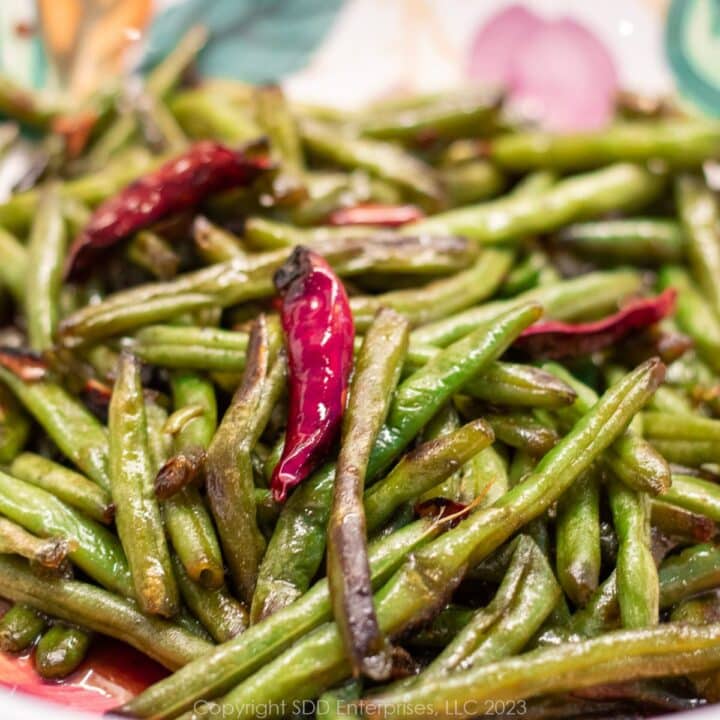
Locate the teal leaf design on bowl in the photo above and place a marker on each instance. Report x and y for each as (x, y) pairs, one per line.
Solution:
(692, 44)
(258, 41)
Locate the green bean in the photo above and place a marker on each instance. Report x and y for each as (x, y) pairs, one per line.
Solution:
(422, 469)
(690, 453)
(328, 192)
(482, 479)
(524, 599)
(13, 269)
(686, 143)
(65, 484)
(46, 252)
(153, 253)
(376, 374)
(442, 628)
(673, 649)
(218, 611)
(20, 627)
(421, 395)
(274, 117)
(471, 181)
(693, 570)
(439, 298)
(681, 525)
(213, 243)
(522, 430)
(223, 350)
(527, 274)
(192, 347)
(187, 520)
(641, 240)
(664, 426)
(137, 514)
(238, 658)
(680, 576)
(189, 389)
(50, 553)
(157, 125)
(60, 651)
(630, 458)
(101, 611)
(340, 702)
(670, 400)
(702, 610)
(17, 212)
(205, 114)
(159, 441)
(700, 215)
(448, 115)
(229, 466)
(76, 215)
(422, 584)
(684, 439)
(265, 234)
(535, 182)
(694, 314)
(14, 426)
(116, 138)
(114, 321)
(267, 509)
(637, 575)
(577, 538)
(74, 430)
(243, 279)
(96, 551)
(591, 294)
(192, 535)
(480, 533)
(510, 384)
(445, 421)
(616, 187)
(694, 494)
(380, 159)
(600, 614)
(297, 546)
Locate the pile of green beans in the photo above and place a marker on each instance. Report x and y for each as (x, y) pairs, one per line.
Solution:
(491, 531)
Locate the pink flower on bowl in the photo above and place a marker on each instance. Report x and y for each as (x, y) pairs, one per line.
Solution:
(556, 72)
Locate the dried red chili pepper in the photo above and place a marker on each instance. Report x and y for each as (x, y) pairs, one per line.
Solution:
(555, 340)
(376, 214)
(180, 184)
(319, 335)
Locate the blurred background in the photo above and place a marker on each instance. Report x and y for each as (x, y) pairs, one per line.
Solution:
(345, 52)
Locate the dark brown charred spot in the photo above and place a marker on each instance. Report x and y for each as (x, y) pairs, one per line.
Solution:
(297, 266)
(53, 553)
(181, 470)
(27, 365)
(403, 664)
